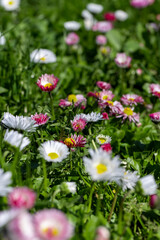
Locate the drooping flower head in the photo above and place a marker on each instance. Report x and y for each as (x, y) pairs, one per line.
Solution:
(155, 117)
(10, 5)
(155, 90)
(103, 85)
(53, 151)
(102, 26)
(47, 82)
(40, 118)
(72, 39)
(101, 166)
(19, 122)
(5, 180)
(43, 56)
(101, 40)
(21, 197)
(77, 100)
(16, 139)
(52, 224)
(122, 60)
(131, 99)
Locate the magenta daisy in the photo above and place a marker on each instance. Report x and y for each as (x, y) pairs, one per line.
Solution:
(52, 224)
(106, 96)
(101, 40)
(102, 26)
(155, 89)
(131, 99)
(47, 82)
(122, 60)
(22, 197)
(75, 141)
(141, 3)
(77, 100)
(93, 94)
(72, 38)
(79, 122)
(103, 85)
(128, 113)
(40, 118)
(155, 117)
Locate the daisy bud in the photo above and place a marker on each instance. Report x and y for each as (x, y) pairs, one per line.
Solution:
(109, 16)
(105, 116)
(139, 71)
(107, 147)
(102, 233)
(101, 40)
(154, 200)
(72, 39)
(155, 117)
(69, 187)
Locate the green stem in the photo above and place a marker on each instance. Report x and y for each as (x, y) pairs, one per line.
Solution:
(83, 178)
(52, 107)
(44, 174)
(113, 205)
(90, 197)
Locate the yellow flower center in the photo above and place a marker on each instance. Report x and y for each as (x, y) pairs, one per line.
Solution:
(105, 97)
(11, 2)
(101, 168)
(70, 142)
(103, 50)
(42, 58)
(128, 111)
(110, 103)
(53, 155)
(72, 98)
(48, 85)
(102, 140)
(51, 231)
(131, 99)
(125, 173)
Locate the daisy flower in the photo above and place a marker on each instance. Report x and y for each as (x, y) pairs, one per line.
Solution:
(115, 107)
(122, 60)
(106, 95)
(154, 201)
(103, 85)
(105, 116)
(52, 224)
(102, 233)
(10, 5)
(43, 56)
(16, 139)
(155, 117)
(86, 14)
(131, 99)
(53, 151)
(72, 39)
(2, 39)
(141, 3)
(5, 180)
(121, 15)
(155, 90)
(75, 141)
(94, 8)
(101, 40)
(128, 113)
(40, 118)
(21, 197)
(71, 186)
(109, 16)
(101, 166)
(72, 25)
(79, 122)
(47, 82)
(101, 139)
(19, 122)
(7, 215)
(102, 26)
(148, 185)
(77, 100)
(106, 147)
(88, 23)
(93, 117)
(129, 180)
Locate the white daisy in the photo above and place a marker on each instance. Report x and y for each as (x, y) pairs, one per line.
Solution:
(71, 186)
(93, 117)
(19, 122)
(5, 180)
(72, 25)
(95, 8)
(121, 15)
(148, 185)
(10, 5)
(102, 167)
(88, 23)
(86, 14)
(102, 139)
(43, 56)
(2, 39)
(16, 139)
(53, 151)
(129, 180)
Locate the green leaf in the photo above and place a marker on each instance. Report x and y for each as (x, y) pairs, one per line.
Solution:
(116, 39)
(3, 90)
(131, 45)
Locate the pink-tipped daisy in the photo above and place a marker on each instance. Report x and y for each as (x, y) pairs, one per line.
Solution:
(107, 147)
(77, 100)
(131, 99)
(52, 224)
(79, 122)
(75, 141)
(155, 117)
(72, 39)
(40, 119)
(106, 96)
(103, 85)
(101, 40)
(93, 94)
(102, 26)
(155, 90)
(128, 113)
(122, 60)
(47, 82)
(22, 197)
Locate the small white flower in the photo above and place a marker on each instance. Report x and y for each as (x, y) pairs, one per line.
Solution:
(7, 215)
(95, 8)
(121, 15)
(148, 185)
(86, 14)
(72, 25)
(2, 39)
(129, 180)
(43, 56)
(10, 5)
(93, 117)
(53, 151)
(88, 23)
(19, 122)
(71, 186)
(102, 139)
(102, 167)
(5, 180)
(16, 139)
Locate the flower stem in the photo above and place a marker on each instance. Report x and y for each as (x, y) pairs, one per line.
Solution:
(44, 174)
(113, 205)
(52, 107)
(90, 197)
